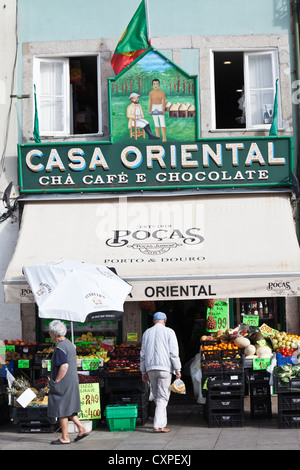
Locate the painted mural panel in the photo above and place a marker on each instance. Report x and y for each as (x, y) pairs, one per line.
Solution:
(153, 100)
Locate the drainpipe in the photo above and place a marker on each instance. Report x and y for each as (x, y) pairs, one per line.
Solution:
(296, 43)
(295, 33)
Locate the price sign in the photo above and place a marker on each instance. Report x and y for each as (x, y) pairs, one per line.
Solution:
(90, 364)
(2, 354)
(23, 364)
(220, 314)
(266, 330)
(252, 320)
(90, 401)
(261, 363)
(132, 337)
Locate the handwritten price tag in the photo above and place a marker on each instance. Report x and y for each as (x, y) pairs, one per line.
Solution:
(90, 364)
(252, 320)
(220, 314)
(90, 401)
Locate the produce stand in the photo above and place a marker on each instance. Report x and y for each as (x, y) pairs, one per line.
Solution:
(234, 363)
(250, 360)
(115, 368)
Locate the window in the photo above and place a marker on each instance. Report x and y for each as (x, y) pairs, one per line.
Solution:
(68, 95)
(244, 86)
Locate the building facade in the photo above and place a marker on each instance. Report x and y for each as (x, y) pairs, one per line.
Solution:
(235, 56)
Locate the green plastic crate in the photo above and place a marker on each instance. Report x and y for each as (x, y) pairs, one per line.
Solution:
(121, 417)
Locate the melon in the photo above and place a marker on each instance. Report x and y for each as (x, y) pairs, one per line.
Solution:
(241, 342)
(250, 350)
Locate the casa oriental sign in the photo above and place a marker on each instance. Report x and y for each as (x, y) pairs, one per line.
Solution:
(135, 165)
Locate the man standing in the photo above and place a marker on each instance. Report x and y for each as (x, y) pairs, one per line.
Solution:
(135, 115)
(157, 107)
(159, 359)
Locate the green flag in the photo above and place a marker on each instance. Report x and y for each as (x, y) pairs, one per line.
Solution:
(134, 41)
(36, 130)
(274, 125)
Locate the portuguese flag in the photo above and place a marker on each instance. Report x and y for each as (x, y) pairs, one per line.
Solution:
(135, 40)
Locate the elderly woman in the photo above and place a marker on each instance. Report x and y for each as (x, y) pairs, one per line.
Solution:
(64, 400)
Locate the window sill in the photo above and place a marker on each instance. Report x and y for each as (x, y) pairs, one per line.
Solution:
(70, 136)
(254, 129)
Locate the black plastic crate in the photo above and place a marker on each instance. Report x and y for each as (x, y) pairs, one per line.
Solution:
(217, 383)
(288, 402)
(227, 392)
(225, 403)
(209, 355)
(220, 419)
(288, 420)
(121, 398)
(292, 386)
(33, 419)
(261, 407)
(233, 354)
(124, 383)
(211, 366)
(257, 376)
(4, 411)
(259, 389)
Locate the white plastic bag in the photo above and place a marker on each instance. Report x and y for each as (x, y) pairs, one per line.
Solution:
(178, 386)
(196, 374)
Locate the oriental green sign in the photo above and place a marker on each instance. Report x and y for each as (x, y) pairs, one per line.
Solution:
(154, 143)
(97, 166)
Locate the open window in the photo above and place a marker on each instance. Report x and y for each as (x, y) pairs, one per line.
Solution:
(68, 95)
(244, 89)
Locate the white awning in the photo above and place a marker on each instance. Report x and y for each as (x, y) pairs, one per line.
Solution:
(167, 248)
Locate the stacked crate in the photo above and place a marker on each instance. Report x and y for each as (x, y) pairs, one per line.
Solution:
(33, 420)
(4, 409)
(288, 402)
(223, 376)
(260, 393)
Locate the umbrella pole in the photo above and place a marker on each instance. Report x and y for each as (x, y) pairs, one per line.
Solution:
(72, 332)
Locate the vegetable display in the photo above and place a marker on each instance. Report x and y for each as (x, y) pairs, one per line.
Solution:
(252, 342)
(287, 372)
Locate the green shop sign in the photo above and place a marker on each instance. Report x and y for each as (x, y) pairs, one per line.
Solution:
(95, 166)
(155, 143)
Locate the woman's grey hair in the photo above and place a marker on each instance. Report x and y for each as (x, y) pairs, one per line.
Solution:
(58, 328)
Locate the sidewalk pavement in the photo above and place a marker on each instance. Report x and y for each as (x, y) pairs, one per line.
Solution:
(189, 433)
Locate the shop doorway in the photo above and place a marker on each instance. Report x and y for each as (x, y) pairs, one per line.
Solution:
(188, 319)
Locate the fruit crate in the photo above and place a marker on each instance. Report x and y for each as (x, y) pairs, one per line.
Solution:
(288, 402)
(121, 417)
(292, 386)
(210, 354)
(33, 420)
(220, 419)
(223, 366)
(283, 361)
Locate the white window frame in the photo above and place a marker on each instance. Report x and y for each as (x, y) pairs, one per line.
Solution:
(275, 70)
(275, 73)
(67, 124)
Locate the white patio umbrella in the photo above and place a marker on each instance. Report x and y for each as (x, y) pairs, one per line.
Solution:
(75, 291)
